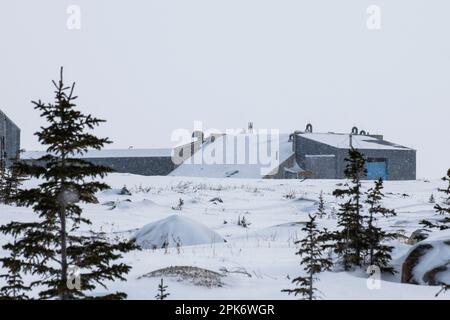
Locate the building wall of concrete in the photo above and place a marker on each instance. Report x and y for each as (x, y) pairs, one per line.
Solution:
(321, 167)
(401, 164)
(310, 147)
(10, 133)
(151, 166)
(146, 166)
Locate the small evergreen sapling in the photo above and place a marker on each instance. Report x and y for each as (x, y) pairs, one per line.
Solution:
(313, 261)
(15, 288)
(445, 207)
(12, 180)
(321, 209)
(350, 241)
(431, 200)
(441, 209)
(379, 254)
(162, 294)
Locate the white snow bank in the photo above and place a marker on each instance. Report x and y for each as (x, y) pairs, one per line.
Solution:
(175, 230)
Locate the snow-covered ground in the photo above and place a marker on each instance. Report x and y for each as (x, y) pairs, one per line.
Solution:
(258, 261)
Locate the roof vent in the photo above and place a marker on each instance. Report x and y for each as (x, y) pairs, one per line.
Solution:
(355, 130)
(250, 127)
(309, 128)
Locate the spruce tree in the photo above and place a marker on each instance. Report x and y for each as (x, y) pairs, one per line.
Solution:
(52, 244)
(313, 260)
(12, 181)
(445, 207)
(162, 294)
(443, 224)
(379, 254)
(350, 242)
(441, 209)
(14, 289)
(321, 209)
(431, 200)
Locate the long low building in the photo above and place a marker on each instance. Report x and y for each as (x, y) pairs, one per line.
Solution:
(248, 154)
(300, 155)
(148, 162)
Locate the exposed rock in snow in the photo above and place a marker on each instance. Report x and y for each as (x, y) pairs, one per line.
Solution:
(174, 231)
(125, 204)
(194, 275)
(428, 262)
(418, 235)
(124, 191)
(215, 200)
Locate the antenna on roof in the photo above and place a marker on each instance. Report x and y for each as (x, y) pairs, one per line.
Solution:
(250, 127)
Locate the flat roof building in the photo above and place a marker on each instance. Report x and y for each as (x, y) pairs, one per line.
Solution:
(323, 155)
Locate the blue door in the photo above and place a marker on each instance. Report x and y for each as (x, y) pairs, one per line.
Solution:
(377, 170)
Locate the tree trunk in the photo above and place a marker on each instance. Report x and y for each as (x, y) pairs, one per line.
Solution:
(63, 289)
(63, 295)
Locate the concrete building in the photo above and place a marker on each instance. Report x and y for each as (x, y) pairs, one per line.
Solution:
(250, 154)
(147, 162)
(322, 155)
(300, 155)
(9, 139)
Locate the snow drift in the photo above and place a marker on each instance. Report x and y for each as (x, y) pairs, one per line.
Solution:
(173, 231)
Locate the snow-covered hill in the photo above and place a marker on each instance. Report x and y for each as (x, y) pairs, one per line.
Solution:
(256, 262)
(175, 231)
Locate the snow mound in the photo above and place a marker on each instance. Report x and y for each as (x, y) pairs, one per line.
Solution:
(173, 231)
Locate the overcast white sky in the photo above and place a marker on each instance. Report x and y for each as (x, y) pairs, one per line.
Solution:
(151, 66)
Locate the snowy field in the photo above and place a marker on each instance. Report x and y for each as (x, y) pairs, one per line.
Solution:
(255, 262)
